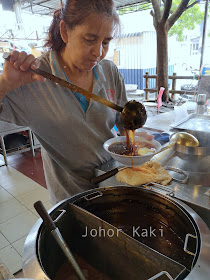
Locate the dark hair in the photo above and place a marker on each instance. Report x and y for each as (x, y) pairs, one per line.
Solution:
(73, 12)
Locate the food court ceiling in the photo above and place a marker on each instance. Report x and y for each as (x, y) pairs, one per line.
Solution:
(47, 7)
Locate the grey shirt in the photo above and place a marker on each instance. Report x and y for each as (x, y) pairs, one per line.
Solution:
(71, 140)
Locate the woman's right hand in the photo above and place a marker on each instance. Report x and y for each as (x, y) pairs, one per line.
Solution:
(15, 72)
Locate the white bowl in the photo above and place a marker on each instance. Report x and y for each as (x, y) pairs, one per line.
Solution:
(131, 87)
(131, 160)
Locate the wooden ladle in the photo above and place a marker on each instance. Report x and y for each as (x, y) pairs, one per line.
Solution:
(133, 114)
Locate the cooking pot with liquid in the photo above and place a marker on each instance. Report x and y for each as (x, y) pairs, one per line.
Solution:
(164, 224)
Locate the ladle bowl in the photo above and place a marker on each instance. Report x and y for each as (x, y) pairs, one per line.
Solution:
(133, 115)
(185, 139)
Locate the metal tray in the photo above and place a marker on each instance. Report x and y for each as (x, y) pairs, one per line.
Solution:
(194, 122)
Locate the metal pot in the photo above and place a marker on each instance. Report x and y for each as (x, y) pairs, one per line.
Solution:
(204, 144)
(185, 236)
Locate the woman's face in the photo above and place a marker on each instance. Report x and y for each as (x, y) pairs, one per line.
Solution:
(87, 44)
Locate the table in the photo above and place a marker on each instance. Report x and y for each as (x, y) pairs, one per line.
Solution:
(9, 128)
(160, 122)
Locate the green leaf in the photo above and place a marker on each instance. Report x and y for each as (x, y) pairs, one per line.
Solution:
(188, 20)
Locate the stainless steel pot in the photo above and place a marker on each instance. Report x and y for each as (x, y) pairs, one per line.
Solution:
(204, 144)
(185, 239)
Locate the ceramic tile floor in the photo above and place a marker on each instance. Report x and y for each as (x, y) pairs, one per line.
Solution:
(17, 214)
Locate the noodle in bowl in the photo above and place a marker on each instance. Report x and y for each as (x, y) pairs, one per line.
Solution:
(133, 160)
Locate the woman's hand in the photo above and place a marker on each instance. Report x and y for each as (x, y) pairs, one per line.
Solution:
(15, 72)
(145, 135)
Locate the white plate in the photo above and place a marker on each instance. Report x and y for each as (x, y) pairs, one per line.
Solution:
(150, 104)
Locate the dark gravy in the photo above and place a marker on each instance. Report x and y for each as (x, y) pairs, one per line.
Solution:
(66, 272)
(121, 148)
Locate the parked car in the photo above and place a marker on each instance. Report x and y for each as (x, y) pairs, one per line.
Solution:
(189, 87)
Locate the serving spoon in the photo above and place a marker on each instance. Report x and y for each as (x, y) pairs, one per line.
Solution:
(133, 114)
(181, 138)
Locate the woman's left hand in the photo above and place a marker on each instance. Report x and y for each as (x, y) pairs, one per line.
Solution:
(145, 135)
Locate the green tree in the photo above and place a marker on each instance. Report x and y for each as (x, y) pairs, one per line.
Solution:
(187, 20)
(165, 15)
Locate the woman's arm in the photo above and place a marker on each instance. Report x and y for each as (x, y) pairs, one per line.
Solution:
(3, 88)
(15, 72)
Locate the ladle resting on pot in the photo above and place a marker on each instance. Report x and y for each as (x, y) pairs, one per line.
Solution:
(181, 138)
(133, 113)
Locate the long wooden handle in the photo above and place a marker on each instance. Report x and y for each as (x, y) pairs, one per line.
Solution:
(104, 176)
(73, 87)
(38, 205)
(41, 210)
(166, 148)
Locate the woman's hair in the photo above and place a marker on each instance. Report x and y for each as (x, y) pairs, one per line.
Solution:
(74, 12)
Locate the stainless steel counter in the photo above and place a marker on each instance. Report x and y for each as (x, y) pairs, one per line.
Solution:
(193, 193)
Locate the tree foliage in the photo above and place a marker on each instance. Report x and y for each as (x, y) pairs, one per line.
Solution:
(165, 17)
(171, 17)
(135, 8)
(187, 20)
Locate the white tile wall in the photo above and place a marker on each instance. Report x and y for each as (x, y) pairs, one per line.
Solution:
(18, 245)
(3, 241)
(14, 182)
(17, 215)
(17, 227)
(10, 209)
(11, 258)
(4, 196)
(28, 199)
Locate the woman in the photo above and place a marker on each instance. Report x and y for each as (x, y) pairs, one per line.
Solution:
(70, 128)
